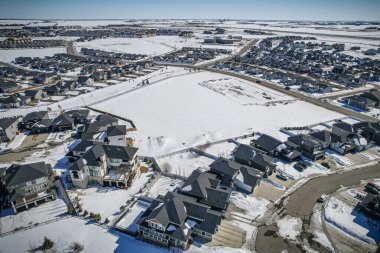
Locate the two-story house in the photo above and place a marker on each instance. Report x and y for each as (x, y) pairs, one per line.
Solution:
(28, 185)
(8, 128)
(104, 164)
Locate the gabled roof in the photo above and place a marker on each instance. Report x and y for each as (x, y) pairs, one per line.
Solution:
(304, 140)
(170, 209)
(323, 136)
(342, 128)
(204, 185)
(91, 157)
(17, 174)
(106, 118)
(43, 123)
(6, 122)
(116, 130)
(267, 143)
(249, 153)
(120, 152)
(62, 120)
(250, 175)
(82, 113)
(225, 166)
(35, 116)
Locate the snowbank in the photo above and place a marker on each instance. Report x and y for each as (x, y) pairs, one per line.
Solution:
(289, 227)
(352, 222)
(254, 206)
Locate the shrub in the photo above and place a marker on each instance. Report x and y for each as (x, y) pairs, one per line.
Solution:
(76, 247)
(122, 208)
(47, 244)
(70, 210)
(107, 221)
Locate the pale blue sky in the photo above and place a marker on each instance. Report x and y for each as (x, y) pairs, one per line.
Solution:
(205, 9)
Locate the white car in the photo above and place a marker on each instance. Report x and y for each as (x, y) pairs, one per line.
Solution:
(322, 198)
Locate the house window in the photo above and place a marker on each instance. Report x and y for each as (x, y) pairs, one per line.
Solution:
(75, 174)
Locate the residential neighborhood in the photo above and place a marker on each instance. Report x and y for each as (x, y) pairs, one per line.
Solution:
(160, 126)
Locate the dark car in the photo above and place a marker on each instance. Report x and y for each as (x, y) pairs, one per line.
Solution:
(301, 166)
(282, 177)
(372, 188)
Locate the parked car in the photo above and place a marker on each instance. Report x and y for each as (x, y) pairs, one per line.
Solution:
(282, 177)
(301, 166)
(372, 187)
(322, 198)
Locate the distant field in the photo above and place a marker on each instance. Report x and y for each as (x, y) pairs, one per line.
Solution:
(178, 113)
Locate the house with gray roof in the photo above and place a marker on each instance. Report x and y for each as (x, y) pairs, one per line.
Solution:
(205, 187)
(117, 135)
(252, 157)
(8, 128)
(62, 123)
(309, 146)
(103, 164)
(28, 185)
(31, 118)
(235, 174)
(176, 219)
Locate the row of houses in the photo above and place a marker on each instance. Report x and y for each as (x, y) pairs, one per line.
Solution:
(12, 43)
(365, 101)
(196, 209)
(190, 55)
(319, 60)
(106, 54)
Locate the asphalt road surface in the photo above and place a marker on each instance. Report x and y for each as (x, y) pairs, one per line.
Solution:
(300, 204)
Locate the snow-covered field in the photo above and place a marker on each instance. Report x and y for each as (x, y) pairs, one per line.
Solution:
(244, 92)
(150, 45)
(352, 222)
(45, 212)
(9, 55)
(178, 113)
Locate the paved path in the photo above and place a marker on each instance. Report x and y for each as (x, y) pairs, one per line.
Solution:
(300, 204)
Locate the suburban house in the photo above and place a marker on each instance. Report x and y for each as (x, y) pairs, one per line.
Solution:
(117, 135)
(8, 86)
(28, 185)
(274, 147)
(36, 94)
(308, 146)
(369, 130)
(31, 118)
(80, 116)
(252, 157)
(234, 174)
(62, 123)
(371, 205)
(42, 126)
(345, 138)
(360, 102)
(324, 137)
(85, 80)
(8, 128)
(205, 187)
(175, 219)
(106, 165)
